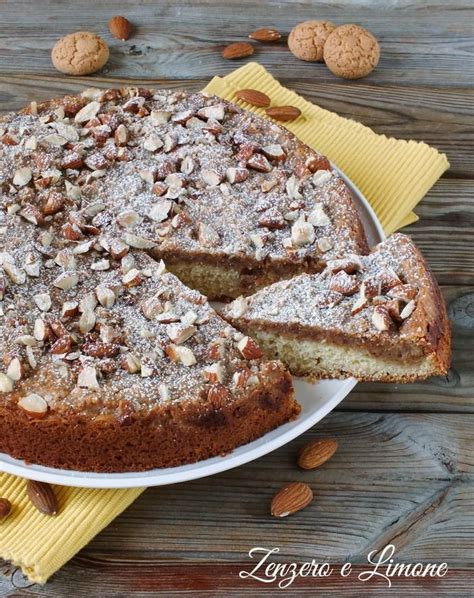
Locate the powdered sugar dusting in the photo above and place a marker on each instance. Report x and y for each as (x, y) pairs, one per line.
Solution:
(344, 297)
(173, 151)
(122, 359)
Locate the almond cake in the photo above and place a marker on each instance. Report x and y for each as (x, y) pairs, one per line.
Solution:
(377, 317)
(118, 208)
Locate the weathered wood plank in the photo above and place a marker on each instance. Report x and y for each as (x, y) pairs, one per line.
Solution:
(170, 579)
(421, 43)
(18, 91)
(388, 467)
(445, 231)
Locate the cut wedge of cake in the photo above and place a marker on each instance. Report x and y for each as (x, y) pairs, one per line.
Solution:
(229, 200)
(112, 364)
(378, 317)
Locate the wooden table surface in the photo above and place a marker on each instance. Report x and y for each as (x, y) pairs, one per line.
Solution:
(404, 472)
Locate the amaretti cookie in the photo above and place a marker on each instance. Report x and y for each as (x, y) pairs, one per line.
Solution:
(306, 40)
(351, 52)
(80, 53)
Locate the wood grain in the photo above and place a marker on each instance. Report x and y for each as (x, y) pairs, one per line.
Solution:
(422, 43)
(389, 468)
(445, 231)
(222, 579)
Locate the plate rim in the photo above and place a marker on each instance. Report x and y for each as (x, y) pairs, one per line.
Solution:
(184, 473)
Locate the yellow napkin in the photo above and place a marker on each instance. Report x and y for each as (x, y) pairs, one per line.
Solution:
(394, 175)
(40, 544)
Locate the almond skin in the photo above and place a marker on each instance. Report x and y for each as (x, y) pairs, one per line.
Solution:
(5, 507)
(249, 348)
(120, 27)
(237, 50)
(290, 499)
(218, 395)
(265, 34)
(316, 453)
(318, 163)
(42, 497)
(283, 113)
(254, 97)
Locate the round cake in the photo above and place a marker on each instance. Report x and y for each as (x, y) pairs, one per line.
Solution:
(122, 211)
(111, 363)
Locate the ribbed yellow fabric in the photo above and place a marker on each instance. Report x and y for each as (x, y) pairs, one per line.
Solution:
(39, 544)
(394, 175)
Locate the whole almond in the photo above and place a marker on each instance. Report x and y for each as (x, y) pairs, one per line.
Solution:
(5, 507)
(120, 27)
(254, 97)
(290, 499)
(42, 497)
(283, 113)
(265, 34)
(237, 50)
(316, 453)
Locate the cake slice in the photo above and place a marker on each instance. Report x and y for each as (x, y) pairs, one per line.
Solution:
(112, 364)
(230, 201)
(378, 317)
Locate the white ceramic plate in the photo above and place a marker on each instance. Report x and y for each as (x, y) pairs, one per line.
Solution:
(316, 400)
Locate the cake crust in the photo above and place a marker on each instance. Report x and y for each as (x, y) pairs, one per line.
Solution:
(169, 435)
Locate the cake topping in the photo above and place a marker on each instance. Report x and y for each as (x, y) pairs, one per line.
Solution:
(302, 233)
(93, 183)
(6, 383)
(381, 318)
(34, 404)
(204, 157)
(359, 295)
(89, 322)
